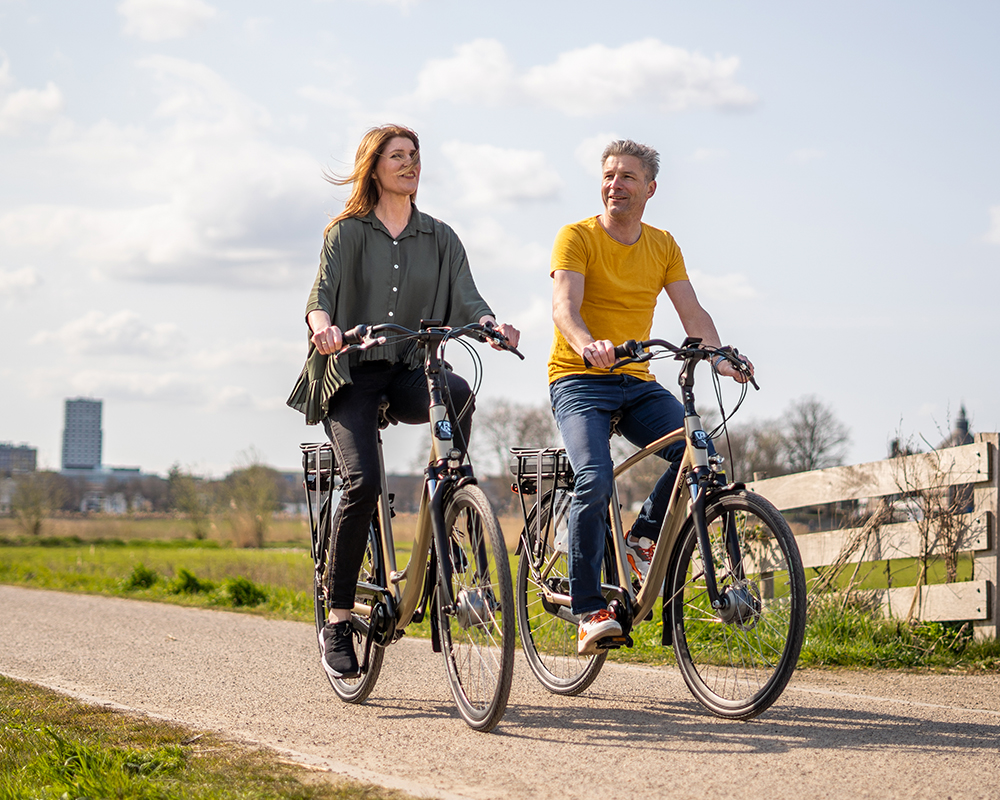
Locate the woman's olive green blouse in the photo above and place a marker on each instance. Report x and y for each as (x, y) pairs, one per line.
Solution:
(367, 276)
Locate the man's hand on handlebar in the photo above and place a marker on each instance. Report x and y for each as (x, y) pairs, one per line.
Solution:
(730, 370)
(600, 353)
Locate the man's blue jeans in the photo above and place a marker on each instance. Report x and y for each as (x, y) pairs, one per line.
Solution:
(583, 408)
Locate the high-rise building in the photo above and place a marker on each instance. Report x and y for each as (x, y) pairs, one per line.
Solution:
(20, 458)
(82, 435)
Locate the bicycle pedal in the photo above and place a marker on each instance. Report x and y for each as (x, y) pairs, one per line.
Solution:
(614, 642)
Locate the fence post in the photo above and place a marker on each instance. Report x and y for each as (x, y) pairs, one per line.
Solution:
(986, 565)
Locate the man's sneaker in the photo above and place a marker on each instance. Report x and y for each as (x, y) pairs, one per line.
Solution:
(595, 627)
(336, 648)
(639, 552)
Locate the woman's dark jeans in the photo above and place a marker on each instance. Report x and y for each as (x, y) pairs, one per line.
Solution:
(352, 425)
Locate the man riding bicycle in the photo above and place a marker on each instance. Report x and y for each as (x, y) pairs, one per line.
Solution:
(607, 274)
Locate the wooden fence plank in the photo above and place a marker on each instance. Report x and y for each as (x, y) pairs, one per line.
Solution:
(947, 467)
(939, 602)
(898, 540)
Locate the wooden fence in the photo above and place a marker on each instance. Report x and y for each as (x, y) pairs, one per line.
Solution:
(890, 482)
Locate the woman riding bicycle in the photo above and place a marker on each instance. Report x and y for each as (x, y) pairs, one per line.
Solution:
(383, 260)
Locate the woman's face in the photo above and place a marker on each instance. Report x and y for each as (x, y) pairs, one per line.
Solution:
(395, 170)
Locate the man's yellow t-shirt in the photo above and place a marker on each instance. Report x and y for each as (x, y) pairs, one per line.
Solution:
(622, 283)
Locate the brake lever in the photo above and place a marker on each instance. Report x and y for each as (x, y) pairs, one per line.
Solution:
(733, 356)
(634, 360)
(489, 334)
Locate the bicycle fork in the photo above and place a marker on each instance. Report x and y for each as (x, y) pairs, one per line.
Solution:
(732, 604)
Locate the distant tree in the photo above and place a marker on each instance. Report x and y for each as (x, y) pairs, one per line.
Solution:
(500, 425)
(756, 448)
(808, 436)
(187, 494)
(813, 436)
(253, 491)
(35, 496)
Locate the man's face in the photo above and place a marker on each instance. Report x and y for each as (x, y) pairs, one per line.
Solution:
(624, 188)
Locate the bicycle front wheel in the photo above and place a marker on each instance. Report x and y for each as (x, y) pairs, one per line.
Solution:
(356, 690)
(548, 635)
(737, 661)
(477, 630)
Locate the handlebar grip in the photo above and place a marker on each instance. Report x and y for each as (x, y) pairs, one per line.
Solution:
(355, 335)
(628, 349)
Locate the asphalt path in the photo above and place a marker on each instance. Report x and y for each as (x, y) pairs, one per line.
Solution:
(637, 732)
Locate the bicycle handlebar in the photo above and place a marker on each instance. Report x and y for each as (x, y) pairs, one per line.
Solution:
(633, 351)
(363, 337)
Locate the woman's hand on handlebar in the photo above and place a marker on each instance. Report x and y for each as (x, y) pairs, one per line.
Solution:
(327, 337)
(509, 332)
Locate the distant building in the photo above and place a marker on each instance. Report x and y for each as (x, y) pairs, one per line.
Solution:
(961, 434)
(19, 458)
(82, 436)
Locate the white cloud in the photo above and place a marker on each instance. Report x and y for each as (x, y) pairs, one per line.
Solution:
(255, 353)
(158, 20)
(122, 333)
(202, 195)
(5, 78)
(993, 237)
(494, 252)
(725, 288)
(25, 107)
(599, 79)
(171, 388)
(478, 72)
(489, 174)
(588, 152)
(591, 80)
(20, 281)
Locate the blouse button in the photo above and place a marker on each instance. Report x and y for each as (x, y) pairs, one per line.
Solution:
(395, 243)
(395, 266)
(395, 289)
(390, 313)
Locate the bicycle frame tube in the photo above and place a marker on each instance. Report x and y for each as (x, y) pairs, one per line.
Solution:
(673, 521)
(430, 516)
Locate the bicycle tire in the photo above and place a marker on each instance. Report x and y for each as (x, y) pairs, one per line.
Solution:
(549, 641)
(477, 632)
(737, 669)
(356, 690)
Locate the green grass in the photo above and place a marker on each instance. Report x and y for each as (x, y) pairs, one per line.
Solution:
(54, 748)
(853, 637)
(277, 582)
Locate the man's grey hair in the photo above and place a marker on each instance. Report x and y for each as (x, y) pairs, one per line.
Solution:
(626, 147)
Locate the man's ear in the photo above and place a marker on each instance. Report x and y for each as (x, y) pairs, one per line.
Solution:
(651, 189)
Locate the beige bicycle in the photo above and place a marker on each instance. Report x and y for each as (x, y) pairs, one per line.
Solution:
(726, 564)
(458, 574)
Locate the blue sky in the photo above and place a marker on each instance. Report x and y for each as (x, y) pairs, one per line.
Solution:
(829, 170)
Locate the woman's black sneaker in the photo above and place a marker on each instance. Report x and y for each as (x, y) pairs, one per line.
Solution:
(336, 647)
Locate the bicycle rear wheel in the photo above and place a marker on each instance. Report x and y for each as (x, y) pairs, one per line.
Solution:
(356, 690)
(738, 661)
(548, 636)
(477, 632)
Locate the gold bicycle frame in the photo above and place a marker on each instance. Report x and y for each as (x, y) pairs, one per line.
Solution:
(673, 521)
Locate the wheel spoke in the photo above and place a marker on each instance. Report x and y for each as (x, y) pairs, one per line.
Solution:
(738, 660)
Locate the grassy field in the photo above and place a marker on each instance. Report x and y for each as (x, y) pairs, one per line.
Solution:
(54, 747)
(157, 559)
